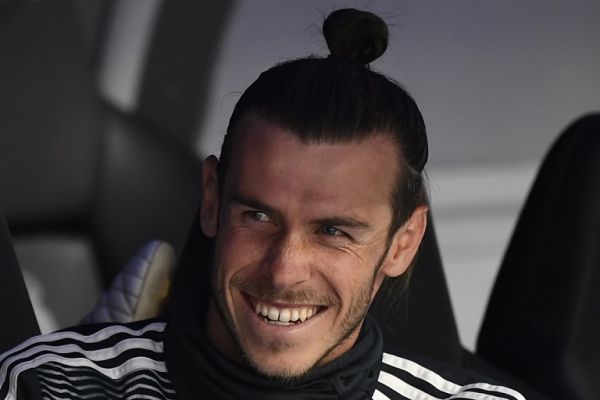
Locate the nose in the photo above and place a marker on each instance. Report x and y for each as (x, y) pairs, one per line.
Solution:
(288, 262)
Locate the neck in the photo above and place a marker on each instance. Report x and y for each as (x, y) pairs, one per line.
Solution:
(200, 370)
(219, 336)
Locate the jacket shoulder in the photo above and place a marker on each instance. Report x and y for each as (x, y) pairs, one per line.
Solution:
(410, 377)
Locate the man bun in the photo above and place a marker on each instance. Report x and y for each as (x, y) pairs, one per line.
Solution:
(357, 35)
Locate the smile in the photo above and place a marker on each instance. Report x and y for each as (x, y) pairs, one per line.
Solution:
(282, 315)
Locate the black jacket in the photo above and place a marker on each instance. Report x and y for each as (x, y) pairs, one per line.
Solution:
(156, 360)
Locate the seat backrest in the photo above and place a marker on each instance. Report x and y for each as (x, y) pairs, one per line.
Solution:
(543, 318)
(19, 320)
(82, 184)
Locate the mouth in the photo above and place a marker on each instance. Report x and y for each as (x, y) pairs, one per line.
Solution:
(283, 315)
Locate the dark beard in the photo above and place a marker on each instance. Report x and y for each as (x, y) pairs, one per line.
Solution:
(351, 322)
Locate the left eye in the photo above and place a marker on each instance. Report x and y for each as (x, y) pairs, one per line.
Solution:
(332, 231)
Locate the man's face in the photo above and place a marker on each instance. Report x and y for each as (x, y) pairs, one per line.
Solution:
(301, 245)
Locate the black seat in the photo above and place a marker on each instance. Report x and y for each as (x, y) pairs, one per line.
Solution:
(543, 318)
(83, 184)
(19, 319)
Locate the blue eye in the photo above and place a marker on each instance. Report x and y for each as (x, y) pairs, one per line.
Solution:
(332, 231)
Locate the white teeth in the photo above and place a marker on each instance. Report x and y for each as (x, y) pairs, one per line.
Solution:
(303, 314)
(295, 315)
(284, 315)
(273, 313)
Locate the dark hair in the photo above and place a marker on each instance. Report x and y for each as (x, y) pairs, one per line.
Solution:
(340, 99)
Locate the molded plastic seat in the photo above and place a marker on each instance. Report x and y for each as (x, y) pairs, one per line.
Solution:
(15, 307)
(543, 319)
(83, 184)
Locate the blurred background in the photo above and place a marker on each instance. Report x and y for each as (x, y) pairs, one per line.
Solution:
(495, 81)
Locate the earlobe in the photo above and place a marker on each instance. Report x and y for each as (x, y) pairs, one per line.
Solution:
(209, 210)
(405, 243)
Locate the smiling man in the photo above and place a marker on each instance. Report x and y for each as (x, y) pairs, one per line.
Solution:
(317, 198)
(303, 244)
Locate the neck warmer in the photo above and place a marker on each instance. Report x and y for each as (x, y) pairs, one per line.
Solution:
(200, 372)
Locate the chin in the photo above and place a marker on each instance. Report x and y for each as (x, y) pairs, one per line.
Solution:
(284, 361)
(288, 370)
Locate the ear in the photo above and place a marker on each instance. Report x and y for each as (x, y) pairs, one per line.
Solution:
(209, 210)
(405, 244)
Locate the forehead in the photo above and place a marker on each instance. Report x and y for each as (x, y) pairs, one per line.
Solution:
(270, 158)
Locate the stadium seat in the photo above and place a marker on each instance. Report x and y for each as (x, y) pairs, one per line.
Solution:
(86, 179)
(543, 319)
(19, 320)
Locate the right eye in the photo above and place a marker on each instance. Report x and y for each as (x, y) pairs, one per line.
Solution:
(257, 216)
(332, 231)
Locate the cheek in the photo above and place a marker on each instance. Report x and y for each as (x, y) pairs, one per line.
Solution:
(351, 275)
(238, 249)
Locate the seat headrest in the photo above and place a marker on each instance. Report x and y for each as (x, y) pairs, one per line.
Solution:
(546, 331)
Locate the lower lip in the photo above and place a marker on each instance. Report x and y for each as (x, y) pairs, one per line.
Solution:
(258, 318)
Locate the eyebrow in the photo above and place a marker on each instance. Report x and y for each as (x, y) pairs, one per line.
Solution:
(347, 222)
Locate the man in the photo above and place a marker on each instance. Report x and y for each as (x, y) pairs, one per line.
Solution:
(302, 245)
(316, 200)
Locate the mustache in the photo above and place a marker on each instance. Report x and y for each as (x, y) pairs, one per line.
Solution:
(267, 293)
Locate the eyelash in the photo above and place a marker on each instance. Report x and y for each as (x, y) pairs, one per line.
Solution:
(260, 216)
(338, 233)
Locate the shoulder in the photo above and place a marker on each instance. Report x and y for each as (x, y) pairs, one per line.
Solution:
(110, 350)
(409, 377)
